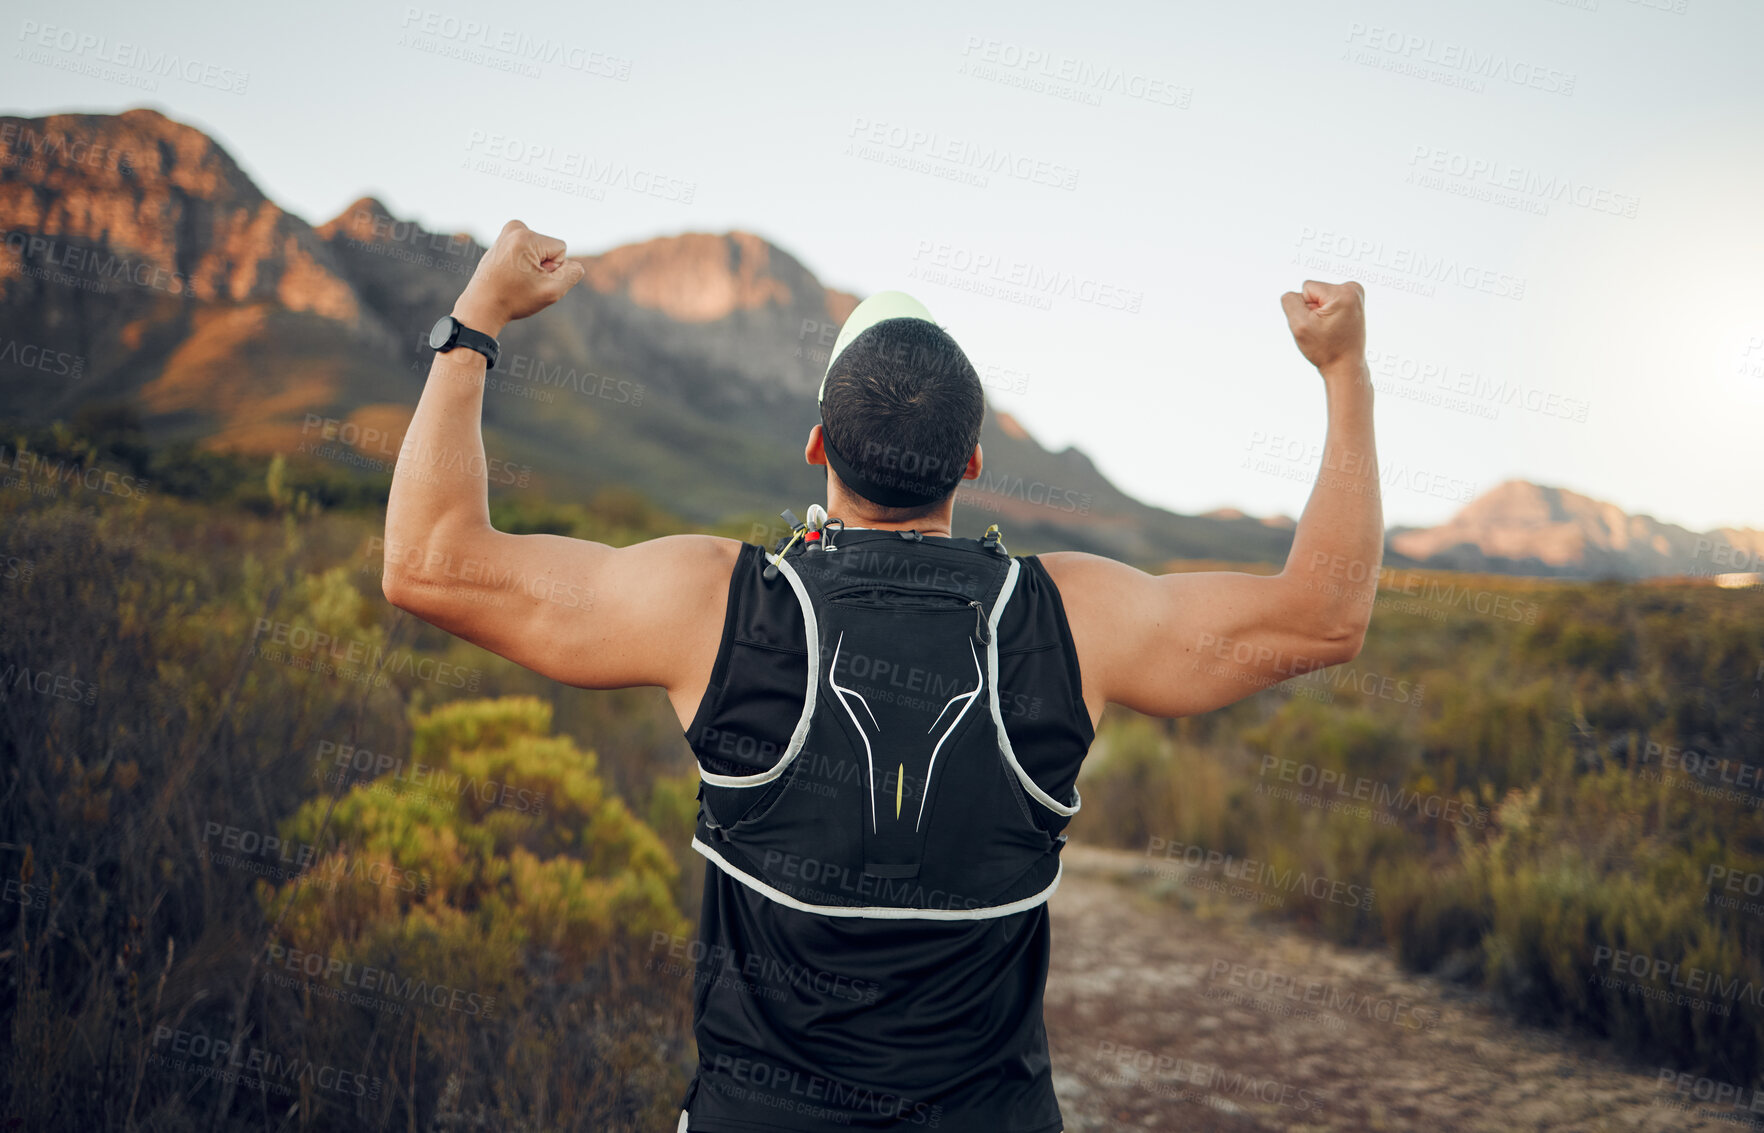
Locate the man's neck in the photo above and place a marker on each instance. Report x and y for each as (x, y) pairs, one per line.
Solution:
(920, 530)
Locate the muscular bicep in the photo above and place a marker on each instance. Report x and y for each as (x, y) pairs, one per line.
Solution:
(1185, 643)
(582, 613)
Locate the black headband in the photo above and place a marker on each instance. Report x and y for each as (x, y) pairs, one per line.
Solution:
(870, 489)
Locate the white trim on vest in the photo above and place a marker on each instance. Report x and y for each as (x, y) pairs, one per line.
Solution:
(878, 912)
(800, 735)
(1004, 739)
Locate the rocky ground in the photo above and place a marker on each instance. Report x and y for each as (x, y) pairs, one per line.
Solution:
(1169, 1007)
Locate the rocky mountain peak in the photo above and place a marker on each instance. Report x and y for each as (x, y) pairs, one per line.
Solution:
(163, 208)
(693, 278)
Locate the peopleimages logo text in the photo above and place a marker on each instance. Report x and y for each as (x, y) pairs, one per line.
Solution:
(1348, 248)
(94, 49)
(1411, 47)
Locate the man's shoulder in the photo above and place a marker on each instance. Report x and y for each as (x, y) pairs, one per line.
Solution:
(697, 569)
(1074, 568)
(701, 557)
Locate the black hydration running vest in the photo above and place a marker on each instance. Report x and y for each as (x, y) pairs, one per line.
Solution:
(888, 752)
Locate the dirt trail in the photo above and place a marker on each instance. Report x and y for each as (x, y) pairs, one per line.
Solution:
(1164, 1018)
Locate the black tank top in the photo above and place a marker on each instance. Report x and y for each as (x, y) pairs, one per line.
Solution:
(811, 1022)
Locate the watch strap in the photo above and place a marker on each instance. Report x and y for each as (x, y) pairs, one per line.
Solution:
(479, 341)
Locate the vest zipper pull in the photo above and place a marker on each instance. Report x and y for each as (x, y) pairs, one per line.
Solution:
(980, 626)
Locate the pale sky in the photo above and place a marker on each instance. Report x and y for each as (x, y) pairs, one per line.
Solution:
(1102, 202)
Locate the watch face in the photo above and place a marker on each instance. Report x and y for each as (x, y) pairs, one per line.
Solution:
(441, 334)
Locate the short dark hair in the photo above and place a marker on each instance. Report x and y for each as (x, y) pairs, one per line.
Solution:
(903, 405)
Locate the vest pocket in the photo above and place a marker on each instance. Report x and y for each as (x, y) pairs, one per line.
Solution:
(734, 806)
(894, 598)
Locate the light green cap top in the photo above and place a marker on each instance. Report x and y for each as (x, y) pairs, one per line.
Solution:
(882, 305)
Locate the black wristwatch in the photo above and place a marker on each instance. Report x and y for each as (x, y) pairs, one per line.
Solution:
(448, 332)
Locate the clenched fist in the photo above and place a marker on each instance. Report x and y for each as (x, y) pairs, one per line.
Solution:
(523, 273)
(1328, 323)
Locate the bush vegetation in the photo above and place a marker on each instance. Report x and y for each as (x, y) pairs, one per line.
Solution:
(214, 831)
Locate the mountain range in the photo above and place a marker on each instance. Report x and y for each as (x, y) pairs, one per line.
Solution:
(139, 255)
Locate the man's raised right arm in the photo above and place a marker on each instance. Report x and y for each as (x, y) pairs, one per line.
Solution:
(1184, 643)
